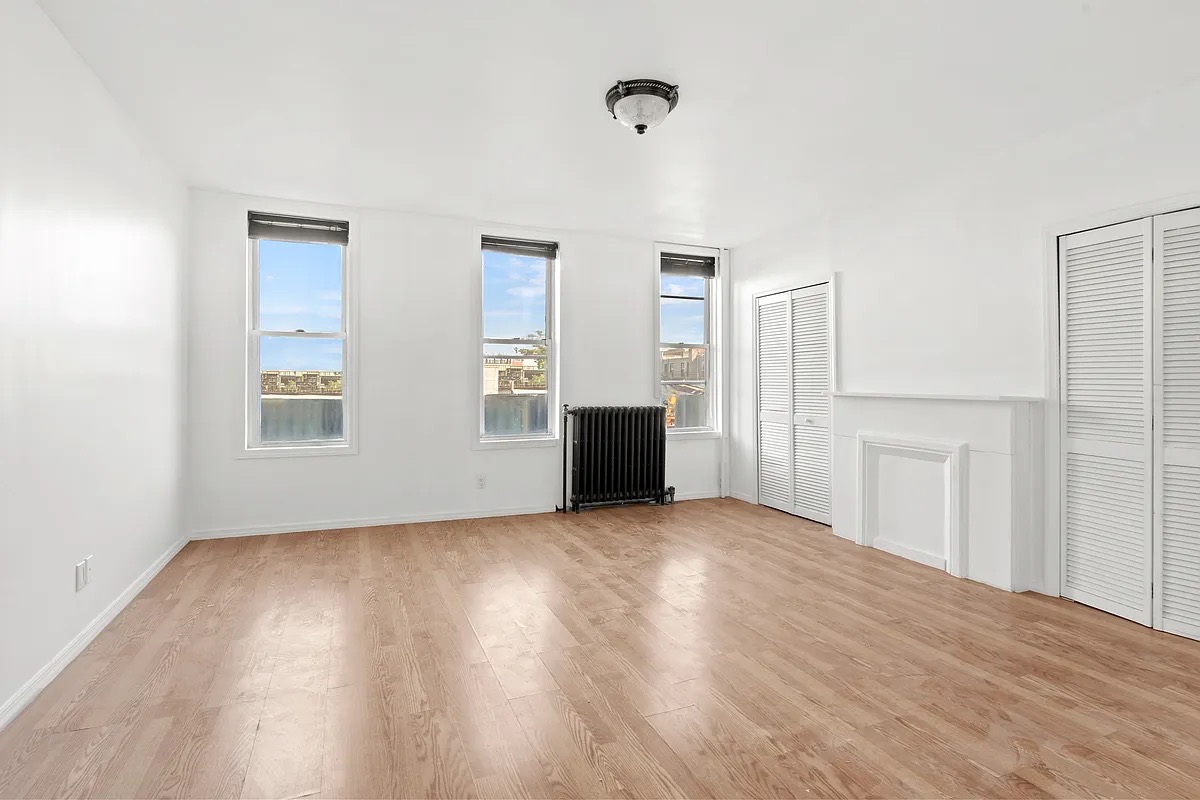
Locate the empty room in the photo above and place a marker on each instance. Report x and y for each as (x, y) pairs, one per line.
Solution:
(636, 399)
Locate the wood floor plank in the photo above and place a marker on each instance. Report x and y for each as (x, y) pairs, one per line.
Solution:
(204, 755)
(641, 760)
(720, 758)
(288, 746)
(501, 759)
(568, 751)
(359, 756)
(706, 649)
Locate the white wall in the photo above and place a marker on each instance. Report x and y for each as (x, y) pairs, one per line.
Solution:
(91, 350)
(417, 354)
(942, 285)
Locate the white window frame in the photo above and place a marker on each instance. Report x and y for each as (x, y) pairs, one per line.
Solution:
(713, 305)
(254, 446)
(480, 440)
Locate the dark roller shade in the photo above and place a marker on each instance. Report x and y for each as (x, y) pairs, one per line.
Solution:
(696, 266)
(520, 247)
(298, 229)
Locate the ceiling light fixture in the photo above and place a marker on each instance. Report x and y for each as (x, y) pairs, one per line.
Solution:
(641, 104)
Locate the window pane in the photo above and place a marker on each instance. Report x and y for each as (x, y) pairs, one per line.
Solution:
(683, 364)
(514, 390)
(514, 296)
(301, 380)
(683, 285)
(681, 320)
(687, 405)
(299, 286)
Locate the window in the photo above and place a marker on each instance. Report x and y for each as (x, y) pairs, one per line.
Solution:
(517, 348)
(685, 297)
(298, 338)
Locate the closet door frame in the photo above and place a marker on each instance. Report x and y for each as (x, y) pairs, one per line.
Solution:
(831, 279)
(1040, 568)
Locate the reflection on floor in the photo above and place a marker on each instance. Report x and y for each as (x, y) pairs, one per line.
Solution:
(708, 649)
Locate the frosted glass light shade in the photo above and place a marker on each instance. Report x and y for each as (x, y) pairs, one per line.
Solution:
(641, 111)
(642, 103)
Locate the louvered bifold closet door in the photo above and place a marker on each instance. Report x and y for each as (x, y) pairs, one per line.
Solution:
(1106, 336)
(1177, 422)
(773, 350)
(810, 402)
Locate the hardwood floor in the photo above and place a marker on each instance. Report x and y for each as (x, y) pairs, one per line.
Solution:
(708, 649)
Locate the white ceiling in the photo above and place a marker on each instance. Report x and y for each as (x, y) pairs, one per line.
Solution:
(495, 110)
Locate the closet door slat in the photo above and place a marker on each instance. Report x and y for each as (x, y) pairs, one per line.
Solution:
(1106, 371)
(810, 373)
(1177, 423)
(773, 353)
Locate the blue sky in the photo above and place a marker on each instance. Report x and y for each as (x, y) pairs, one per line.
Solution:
(300, 288)
(514, 297)
(682, 320)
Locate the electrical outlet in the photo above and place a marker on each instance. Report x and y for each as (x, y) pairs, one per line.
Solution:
(481, 481)
(80, 575)
(87, 569)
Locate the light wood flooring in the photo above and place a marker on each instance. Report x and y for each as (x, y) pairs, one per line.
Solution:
(708, 649)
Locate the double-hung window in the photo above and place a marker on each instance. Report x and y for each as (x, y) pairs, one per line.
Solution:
(297, 348)
(517, 345)
(686, 296)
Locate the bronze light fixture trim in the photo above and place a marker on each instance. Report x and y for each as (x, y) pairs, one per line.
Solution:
(642, 103)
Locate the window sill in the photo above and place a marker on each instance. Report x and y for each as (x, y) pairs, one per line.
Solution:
(515, 443)
(695, 433)
(298, 451)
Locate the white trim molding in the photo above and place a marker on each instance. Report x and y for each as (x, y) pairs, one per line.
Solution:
(14, 705)
(710, 494)
(911, 553)
(953, 456)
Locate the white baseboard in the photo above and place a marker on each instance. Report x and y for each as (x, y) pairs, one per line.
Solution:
(26, 694)
(745, 498)
(403, 519)
(911, 553)
(366, 522)
(680, 496)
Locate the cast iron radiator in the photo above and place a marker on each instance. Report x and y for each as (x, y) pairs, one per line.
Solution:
(618, 454)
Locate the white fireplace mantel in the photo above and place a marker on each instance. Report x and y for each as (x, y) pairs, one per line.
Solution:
(953, 456)
(986, 506)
